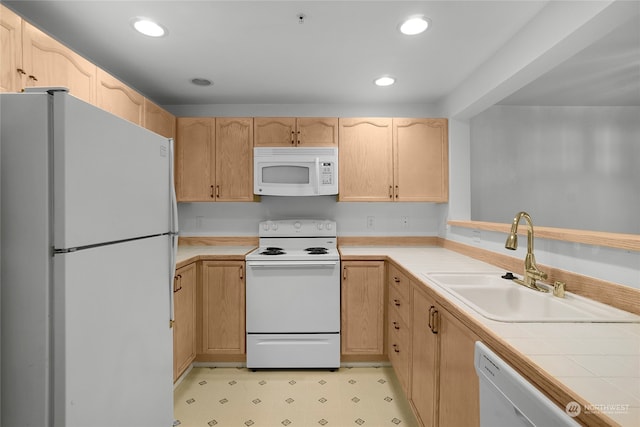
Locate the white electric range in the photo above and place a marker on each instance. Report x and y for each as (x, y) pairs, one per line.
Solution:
(293, 296)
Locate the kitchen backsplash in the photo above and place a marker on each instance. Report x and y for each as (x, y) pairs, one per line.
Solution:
(354, 219)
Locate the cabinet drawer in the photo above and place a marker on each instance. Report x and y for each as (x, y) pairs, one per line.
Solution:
(398, 351)
(399, 304)
(399, 281)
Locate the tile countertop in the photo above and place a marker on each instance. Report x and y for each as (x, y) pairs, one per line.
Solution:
(600, 362)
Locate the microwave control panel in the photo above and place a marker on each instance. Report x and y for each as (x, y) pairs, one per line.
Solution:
(326, 173)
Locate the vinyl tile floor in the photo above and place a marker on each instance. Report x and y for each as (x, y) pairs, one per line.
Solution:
(229, 397)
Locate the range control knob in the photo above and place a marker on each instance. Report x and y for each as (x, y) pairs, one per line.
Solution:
(297, 225)
(329, 226)
(265, 226)
(320, 226)
(274, 226)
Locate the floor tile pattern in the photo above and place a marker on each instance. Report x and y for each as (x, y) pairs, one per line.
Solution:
(227, 397)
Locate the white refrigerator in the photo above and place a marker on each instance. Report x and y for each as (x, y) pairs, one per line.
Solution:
(88, 230)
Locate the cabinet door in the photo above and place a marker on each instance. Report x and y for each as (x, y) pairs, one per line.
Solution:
(365, 160)
(195, 151)
(274, 131)
(11, 69)
(362, 331)
(223, 316)
(119, 99)
(317, 131)
(458, 379)
(234, 159)
(421, 170)
(184, 326)
(159, 120)
(424, 361)
(49, 63)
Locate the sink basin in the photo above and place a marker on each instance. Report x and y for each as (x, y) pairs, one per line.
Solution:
(502, 300)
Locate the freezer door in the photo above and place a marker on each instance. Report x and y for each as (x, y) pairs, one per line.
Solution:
(111, 177)
(113, 355)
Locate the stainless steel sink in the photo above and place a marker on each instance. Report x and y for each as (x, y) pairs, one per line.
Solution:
(502, 300)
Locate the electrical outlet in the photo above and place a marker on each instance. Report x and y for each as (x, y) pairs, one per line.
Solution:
(404, 221)
(371, 222)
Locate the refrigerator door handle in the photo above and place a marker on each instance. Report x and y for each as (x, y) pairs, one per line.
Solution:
(173, 230)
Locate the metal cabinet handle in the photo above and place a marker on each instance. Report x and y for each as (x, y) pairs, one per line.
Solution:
(395, 348)
(217, 191)
(433, 319)
(395, 325)
(177, 280)
(397, 191)
(21, 71)
(33, 78)
(391, 192)
(242, 272)
(211, 191)
(395, 279)
(344, 273)
(396, 302)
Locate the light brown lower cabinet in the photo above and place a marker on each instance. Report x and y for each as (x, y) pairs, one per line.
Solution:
(362, 314)
(222, 336)
(399, 325)
(459, 400)
(444, 385)
(184, 325)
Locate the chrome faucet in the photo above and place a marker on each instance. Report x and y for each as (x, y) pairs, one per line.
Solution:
(531, 271)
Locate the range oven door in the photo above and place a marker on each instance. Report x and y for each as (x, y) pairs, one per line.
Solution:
(293, 297)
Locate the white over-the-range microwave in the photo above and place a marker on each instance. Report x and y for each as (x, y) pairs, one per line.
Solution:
(296, 171)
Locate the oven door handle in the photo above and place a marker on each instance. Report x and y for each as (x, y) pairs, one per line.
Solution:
(299, 264)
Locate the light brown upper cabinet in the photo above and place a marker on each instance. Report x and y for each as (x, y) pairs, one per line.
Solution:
(159, 120)
(119, 99)
(384, 159)
(214, 159)
(365, 160)
(234, 159)
(195, 151)
(11, 69)
(295, 132)
(421, 161)
(46, 62)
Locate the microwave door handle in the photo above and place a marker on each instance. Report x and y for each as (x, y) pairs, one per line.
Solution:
(317, 175)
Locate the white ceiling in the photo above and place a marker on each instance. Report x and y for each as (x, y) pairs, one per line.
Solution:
(256, 52)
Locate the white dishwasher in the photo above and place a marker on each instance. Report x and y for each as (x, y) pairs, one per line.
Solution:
(507, 399)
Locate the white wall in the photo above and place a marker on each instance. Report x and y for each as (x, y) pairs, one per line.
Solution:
(304, 110)
(569, 167)
(559, 31)
(241, 219)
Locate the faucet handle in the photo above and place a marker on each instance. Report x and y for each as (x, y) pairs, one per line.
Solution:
(559, 289)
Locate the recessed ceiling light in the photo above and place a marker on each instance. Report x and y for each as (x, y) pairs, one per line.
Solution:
(148, 27)
(384, 81)
(414, 25)
(201, 82)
